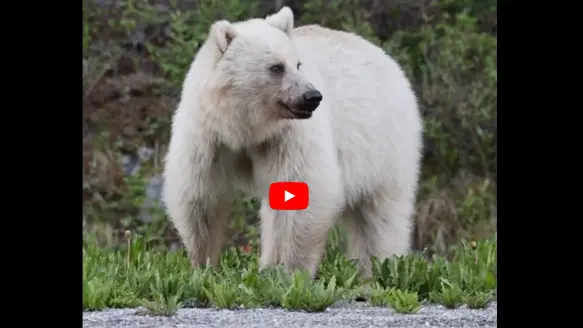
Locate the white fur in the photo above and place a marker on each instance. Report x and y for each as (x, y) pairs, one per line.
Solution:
(359, 152)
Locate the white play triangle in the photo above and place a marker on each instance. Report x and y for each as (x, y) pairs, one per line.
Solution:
(287, 196)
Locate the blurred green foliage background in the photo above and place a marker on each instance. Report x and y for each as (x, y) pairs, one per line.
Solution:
(136, 53)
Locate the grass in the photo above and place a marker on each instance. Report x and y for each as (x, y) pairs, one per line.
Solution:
(163, 281)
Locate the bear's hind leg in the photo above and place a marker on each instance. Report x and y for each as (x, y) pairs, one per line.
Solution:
(379, 227)
(356, 232)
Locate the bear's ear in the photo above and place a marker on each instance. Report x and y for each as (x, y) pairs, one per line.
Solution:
(283, 20)
(222, 33)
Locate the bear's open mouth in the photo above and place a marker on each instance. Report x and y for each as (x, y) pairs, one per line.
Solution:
(297, 113)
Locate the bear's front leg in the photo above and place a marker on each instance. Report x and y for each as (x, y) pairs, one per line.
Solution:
(200, 221)
(269, 244)
(297, 239)
(197, 195)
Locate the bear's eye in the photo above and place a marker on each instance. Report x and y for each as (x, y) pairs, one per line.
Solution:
(299, 64)
(277, 69)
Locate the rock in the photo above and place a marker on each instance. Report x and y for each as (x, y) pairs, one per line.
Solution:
(129, 131)
(153, 198)
(146, 153)
(130, 164)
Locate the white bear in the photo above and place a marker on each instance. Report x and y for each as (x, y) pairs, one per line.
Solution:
(264, 102)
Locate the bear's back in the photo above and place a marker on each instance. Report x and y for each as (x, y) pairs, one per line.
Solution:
(373, 111)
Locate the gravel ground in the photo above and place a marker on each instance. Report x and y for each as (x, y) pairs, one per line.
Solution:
(350, 316)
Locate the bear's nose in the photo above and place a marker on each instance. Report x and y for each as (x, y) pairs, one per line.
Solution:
(312, 96)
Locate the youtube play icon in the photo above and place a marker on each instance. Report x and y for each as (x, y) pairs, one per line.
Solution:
(286, 196)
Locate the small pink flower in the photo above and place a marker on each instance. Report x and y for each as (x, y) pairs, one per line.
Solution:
(246, 248)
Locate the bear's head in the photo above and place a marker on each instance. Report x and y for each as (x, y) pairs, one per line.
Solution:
(252, 78)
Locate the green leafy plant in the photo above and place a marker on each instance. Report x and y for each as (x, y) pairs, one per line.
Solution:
(403, 301)
(379, 295)
(410, 273)
(164, 281)
(450, 295)
(477, 299)
(343, 270)
(162, 305)
(223, 295)
(305, 294)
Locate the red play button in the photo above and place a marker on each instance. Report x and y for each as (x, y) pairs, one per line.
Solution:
(285, 196)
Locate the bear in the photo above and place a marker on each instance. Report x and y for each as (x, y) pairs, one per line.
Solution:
(264, 101)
